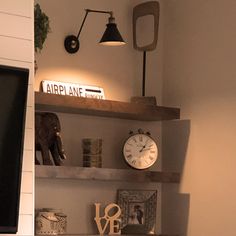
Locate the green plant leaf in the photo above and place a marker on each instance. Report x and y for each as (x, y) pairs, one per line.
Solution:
(41, 28)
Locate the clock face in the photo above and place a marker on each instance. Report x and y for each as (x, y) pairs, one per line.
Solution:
(140, 151)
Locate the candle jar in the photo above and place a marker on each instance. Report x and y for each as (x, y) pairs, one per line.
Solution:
(50, 222)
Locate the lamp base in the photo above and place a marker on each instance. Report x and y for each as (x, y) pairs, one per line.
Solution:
(144, 100)
(71, 44)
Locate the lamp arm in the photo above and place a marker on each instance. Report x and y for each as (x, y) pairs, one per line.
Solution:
(104, 12)
(82, 25)
(86, 14)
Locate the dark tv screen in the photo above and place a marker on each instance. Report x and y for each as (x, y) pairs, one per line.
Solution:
(13, 99)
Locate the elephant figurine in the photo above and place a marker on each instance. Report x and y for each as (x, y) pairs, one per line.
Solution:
(48, 138)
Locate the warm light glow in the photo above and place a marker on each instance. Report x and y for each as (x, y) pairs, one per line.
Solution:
(69, 75)
(112, 88)
(112, 43)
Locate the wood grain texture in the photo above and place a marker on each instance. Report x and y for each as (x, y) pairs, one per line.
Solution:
(105, 174)
(105, 108)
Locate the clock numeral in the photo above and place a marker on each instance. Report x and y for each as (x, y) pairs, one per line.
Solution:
(134, 140)
(151, 158)
(127, 150)
(146, 161)
(129, 156)
(140, 138)
(152, 151)
(133, 162)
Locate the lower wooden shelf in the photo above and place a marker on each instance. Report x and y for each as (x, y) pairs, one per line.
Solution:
(105, 174)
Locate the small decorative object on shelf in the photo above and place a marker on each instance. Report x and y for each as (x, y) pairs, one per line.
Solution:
(111, 217)
(72, 89)
(48, 138)
(50, 222)
(138, 211)
(92, 152)
(151, 8)
(140, 150)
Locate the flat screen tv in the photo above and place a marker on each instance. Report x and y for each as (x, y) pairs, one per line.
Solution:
(13, 99)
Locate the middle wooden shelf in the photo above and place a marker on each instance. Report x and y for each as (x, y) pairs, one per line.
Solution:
(105, 174)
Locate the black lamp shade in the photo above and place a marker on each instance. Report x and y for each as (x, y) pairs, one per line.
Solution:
(112, 36)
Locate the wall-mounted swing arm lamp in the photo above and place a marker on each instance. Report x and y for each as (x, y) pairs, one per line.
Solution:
(111, 36)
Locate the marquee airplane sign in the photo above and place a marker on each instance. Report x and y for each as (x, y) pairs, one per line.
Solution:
(72, 89)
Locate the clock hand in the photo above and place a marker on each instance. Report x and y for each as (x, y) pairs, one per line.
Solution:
(144, 146)
(144, 149)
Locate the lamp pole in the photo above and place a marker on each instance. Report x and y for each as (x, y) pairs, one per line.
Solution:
(144, 73)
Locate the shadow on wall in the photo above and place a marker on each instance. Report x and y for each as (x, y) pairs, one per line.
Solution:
(175, 205)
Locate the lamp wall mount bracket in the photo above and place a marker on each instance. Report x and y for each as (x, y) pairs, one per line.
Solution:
(71, 44)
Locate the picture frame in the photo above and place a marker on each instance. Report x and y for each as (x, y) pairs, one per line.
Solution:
(138, 209)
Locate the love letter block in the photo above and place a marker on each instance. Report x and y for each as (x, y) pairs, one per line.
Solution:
(112, 220)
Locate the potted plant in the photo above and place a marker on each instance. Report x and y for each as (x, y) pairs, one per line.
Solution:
(41, 29)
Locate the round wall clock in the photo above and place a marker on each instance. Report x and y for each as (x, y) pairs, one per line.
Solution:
(140, 150)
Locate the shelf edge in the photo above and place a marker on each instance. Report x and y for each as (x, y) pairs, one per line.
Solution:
(104, 108)
(105, 174)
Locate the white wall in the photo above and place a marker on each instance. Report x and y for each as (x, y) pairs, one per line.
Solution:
(16, 49)
(199, 76)
(119, 71)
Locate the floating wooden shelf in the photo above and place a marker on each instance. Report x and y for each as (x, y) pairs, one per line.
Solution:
(105, 174)
(105, 108)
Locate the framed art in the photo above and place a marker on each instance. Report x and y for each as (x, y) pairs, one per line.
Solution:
(138, 209)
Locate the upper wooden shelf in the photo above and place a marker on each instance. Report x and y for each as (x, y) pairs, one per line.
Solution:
(105, 108)
(105, 174)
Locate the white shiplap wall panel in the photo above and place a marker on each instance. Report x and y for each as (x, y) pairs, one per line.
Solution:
(17, 49)
(27, 182)
(29, 117)
(17, 7)
(29, 140)
(18, 27)
(25, 225)
(28, 160)
(30, 98)
(26, 204)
